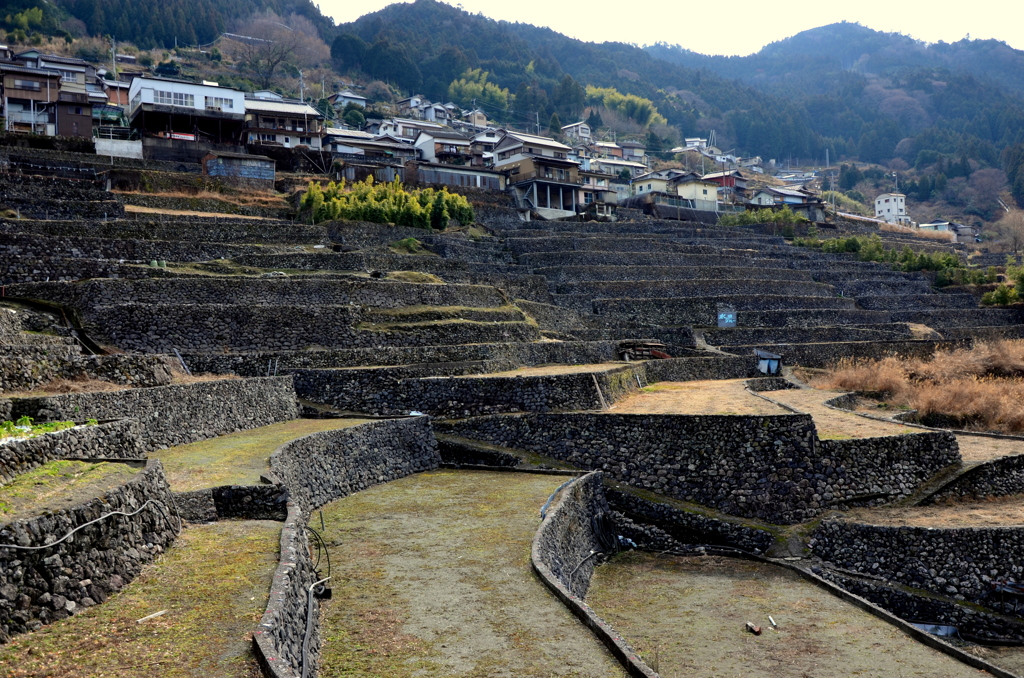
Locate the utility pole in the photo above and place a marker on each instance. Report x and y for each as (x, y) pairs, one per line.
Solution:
(537, 114)
(113, 57)
(302, 87)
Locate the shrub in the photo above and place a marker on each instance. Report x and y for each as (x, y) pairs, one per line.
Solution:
(386, 203)
(783, 217)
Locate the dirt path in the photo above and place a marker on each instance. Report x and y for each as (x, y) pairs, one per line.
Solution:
(995, 512)
(237, 458)
(188, 213)
(838, 424)
(687, 617)
(726, 396)
(213, 582)
(432, 578)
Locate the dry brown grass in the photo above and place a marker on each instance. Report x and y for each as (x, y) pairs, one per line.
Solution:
(262, 198)
(943, 236)
(60, 386)
(180, 378)
(980, 388)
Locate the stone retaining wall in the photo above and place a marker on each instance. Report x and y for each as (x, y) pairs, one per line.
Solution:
(970, 622)
(42, 586)
(328, 465)
(111, 440)
(957, 562)
(176, 227)
(995, 478)
(277, 642)
(563, 555)
(826, 355)
(161, 328)
(767, 467)
(31, 367)
(390, 392)
(254, 364)
(178, 414)
(263, 292)
(25, 247)
(683, 527)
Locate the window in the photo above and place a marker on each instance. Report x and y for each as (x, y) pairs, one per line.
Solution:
(705, 191)
(588, 198)
(220, 102)
(306, 140)
(68, 76)
(182, 99)
(30, 85)
(163, 97)
(268, 138)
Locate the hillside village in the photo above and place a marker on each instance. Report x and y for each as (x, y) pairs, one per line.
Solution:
(568, 172)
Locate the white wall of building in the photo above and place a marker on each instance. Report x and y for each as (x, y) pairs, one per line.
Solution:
(184, 95)
(119, 148)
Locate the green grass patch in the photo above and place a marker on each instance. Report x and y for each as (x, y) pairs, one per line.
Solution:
(60, 484)
(213, 582)
(237, 458)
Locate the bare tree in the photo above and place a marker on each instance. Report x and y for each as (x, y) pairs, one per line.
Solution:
(1011, 230)
(267, 43)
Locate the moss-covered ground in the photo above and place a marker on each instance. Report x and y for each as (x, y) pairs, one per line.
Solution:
(60, 484)
(237, 458)
(687, 617)
(431, 577)
(213, 582)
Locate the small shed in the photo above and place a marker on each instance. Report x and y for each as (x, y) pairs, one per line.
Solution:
(768, 363)
(257, 171)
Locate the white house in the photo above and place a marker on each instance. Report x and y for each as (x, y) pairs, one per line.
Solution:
(892, 208)
(284, 122)
(516, 146)
(181, 109)
(342, 99)
(444, 146)
(577, 130)
(407, 129)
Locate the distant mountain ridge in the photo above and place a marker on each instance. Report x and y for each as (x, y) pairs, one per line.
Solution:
(807, 57)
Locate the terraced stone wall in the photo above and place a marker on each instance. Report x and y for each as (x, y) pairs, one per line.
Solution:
(387, 392)
(827, 354)
(42, 586)
(263, 292)
(111, 440)
(767, 467)
(29, 367)
(24, 249)
(177, 414)
(145, 226)
(278, 640)
(161, 328)
(971, 623)
(958, 562)
(658, 526)
(996, 478)
(197, 204)
(328, 465)
(256, 364)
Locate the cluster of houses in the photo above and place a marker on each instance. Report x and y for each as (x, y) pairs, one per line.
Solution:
(232, 132)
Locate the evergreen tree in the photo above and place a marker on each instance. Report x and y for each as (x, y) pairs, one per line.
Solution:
(594, 120)
(555, 125)
(439, 213)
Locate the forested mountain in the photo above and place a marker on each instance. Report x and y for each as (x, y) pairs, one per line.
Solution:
(807, 61)
(159, 23)
(857, 92)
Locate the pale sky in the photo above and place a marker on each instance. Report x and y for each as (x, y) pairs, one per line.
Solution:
(739, 27)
